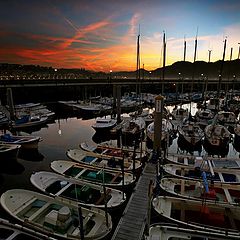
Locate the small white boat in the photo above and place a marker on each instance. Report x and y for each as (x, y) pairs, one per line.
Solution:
(112, 150)
(223, 175)
(9, 151)
(203, 117)
(85, 158)
(191, 160)
(93, 174)
(54, 217)
(216, 140)
(227, 119)
(29, 121)
(201, 190)
(211, 217)
(132, 131)
(10, 231)
(104, 123)
(160, 231)
(26, 141)
(77, 191)
(167, 130)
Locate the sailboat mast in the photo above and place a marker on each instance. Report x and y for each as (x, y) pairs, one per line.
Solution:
(221, 69)
(138, 66)
(194, 60)
(185, 47)
(164, 61)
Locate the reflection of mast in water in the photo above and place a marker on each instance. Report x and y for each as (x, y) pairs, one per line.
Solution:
(59, 128)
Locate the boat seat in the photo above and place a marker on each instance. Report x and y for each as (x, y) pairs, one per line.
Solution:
(39, 211)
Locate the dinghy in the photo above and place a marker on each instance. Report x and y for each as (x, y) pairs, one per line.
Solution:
(201, 190)
(93, 174)
(9, 151)
(191, 160)
(101, 160)
(211, 217)
(223, 175)
(26, 141)
(54, 217)
(104, 123)
(71, 190)
(160, 231)
(112, 151)
(10, 231)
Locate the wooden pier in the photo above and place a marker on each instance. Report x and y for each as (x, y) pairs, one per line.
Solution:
(134, 219)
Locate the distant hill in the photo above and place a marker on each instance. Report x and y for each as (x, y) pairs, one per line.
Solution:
(180, 69)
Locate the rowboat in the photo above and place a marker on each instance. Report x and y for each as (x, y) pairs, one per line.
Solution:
(11, 231)
(201, 190)
(93, 174)
(104, 123)
(77, 191)
(85, 158)
(9, 151)
(210, 216)
(160, 231)
(112, 151)
(223, 175)
(26, 142)
(54, 217)
(191, 160)
(29, 121)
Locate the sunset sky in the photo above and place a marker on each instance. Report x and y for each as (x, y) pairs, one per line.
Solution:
(101, 35)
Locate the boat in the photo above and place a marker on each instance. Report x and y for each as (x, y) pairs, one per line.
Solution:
(9, 151)
(236, 138)
(77, 191)
(201, 190)
(190, 137)
(208, 216)
(104, 123)
(26, 141)
(204, 117)
(11, 231)
(54, 217)
(112, 150)
(28, 121)
(223, 175)
(85, 158)
(216, 140)
(191, 160)
(179, 113)
(168, 133)
(161, 231)
(93, 174)
(227, 119)
(132, 131)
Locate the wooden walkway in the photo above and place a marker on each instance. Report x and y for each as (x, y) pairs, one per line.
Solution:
(131, 225)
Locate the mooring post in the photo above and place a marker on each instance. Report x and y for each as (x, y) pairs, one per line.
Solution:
(10, 103)
(158, 127)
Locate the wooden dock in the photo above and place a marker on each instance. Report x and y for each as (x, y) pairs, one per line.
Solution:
(134, 219)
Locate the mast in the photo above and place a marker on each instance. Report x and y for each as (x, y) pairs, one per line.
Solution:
(184, 51)
(194, 60)
(164, 61)
(138, 65)
(221, 70)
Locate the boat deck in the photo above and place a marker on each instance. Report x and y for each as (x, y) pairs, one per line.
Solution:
(134, 219)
